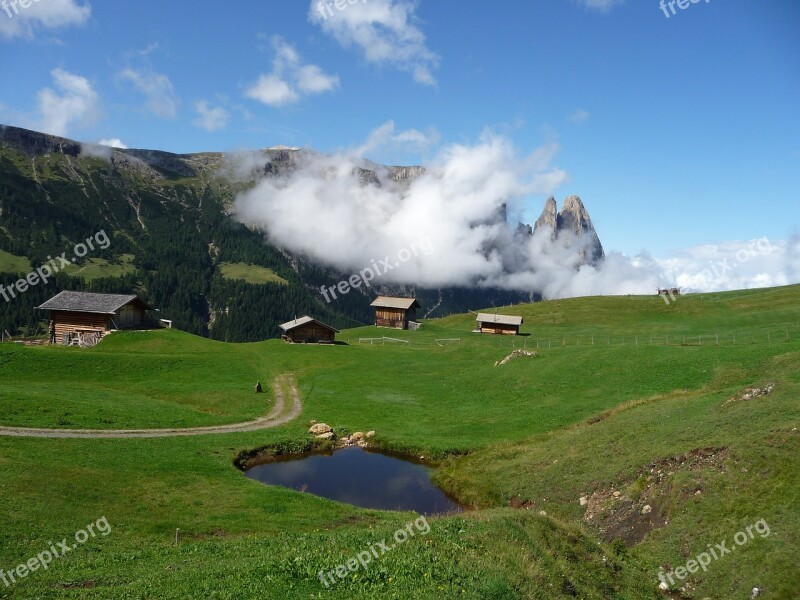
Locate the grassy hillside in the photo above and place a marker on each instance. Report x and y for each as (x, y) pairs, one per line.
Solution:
(607, 398)
(250, 273)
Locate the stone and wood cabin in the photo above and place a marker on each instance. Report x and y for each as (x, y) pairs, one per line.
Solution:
(307, 330)
(78, 315)
(395, 313)
(498, 324)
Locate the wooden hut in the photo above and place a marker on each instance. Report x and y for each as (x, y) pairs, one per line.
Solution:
(499, 324)
(396, 313)
(75, 315)
(306, 330)
(675, 291)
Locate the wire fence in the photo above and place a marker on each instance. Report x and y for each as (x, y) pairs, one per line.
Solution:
(781, 333)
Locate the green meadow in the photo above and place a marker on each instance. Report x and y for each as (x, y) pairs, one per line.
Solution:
(617, 386)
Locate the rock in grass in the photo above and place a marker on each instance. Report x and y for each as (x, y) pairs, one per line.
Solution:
(320, 428)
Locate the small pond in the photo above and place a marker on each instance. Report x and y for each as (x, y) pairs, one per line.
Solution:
(358, 477)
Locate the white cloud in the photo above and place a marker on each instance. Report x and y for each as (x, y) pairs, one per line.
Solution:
(272, 91)
(601, 5)
(113, 143)
(324, 210)
(290, 79)
(16, 21)
(73, 102)
(734, 265)
(579, 116)
(157, 88)
(386, 139)
(385, 31)
(211, 118)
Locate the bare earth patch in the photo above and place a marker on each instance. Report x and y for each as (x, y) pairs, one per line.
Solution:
(632, 509)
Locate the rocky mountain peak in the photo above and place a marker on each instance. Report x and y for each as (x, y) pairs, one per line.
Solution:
(575, 219)
(549, 215)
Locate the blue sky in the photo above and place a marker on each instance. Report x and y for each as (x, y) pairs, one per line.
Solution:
(676, 131)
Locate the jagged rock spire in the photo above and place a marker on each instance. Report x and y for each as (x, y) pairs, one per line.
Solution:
(575, 219)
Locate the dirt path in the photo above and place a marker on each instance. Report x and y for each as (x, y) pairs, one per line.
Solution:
(279, 415)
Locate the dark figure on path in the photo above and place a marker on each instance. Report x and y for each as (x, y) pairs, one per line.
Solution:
(258, 387)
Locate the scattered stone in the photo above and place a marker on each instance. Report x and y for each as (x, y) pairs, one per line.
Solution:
(328, 435)
(583, 500)
(358, 435)
(617, 494)
(647, 509)
(515, 354)
(370, 434)
(542, 513)
(751, 393)
(756, 593)
(697, 493)
(312, 422)
(663, 586)
(320, 428)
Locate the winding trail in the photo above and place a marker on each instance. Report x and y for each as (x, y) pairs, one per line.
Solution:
(279, 415)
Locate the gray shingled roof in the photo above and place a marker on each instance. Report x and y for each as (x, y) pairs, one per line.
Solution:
(500, 319)
(392, 302)
(104, 304)
(303, 321)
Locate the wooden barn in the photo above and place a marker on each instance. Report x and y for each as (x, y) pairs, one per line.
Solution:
(78, 315)
(396, 313)
(499, 324)
(306, 330)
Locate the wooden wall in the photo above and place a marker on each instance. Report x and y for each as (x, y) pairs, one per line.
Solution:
(395, 318)
(311, 333)
(71, 322)
(130, 316)
(499, 328)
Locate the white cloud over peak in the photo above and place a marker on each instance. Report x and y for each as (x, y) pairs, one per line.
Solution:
(112, 143)
(72, 102)
(157, 89)
(386, 32)
(209, 117)
(324, 210)
(290, 79)
(19, 22)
